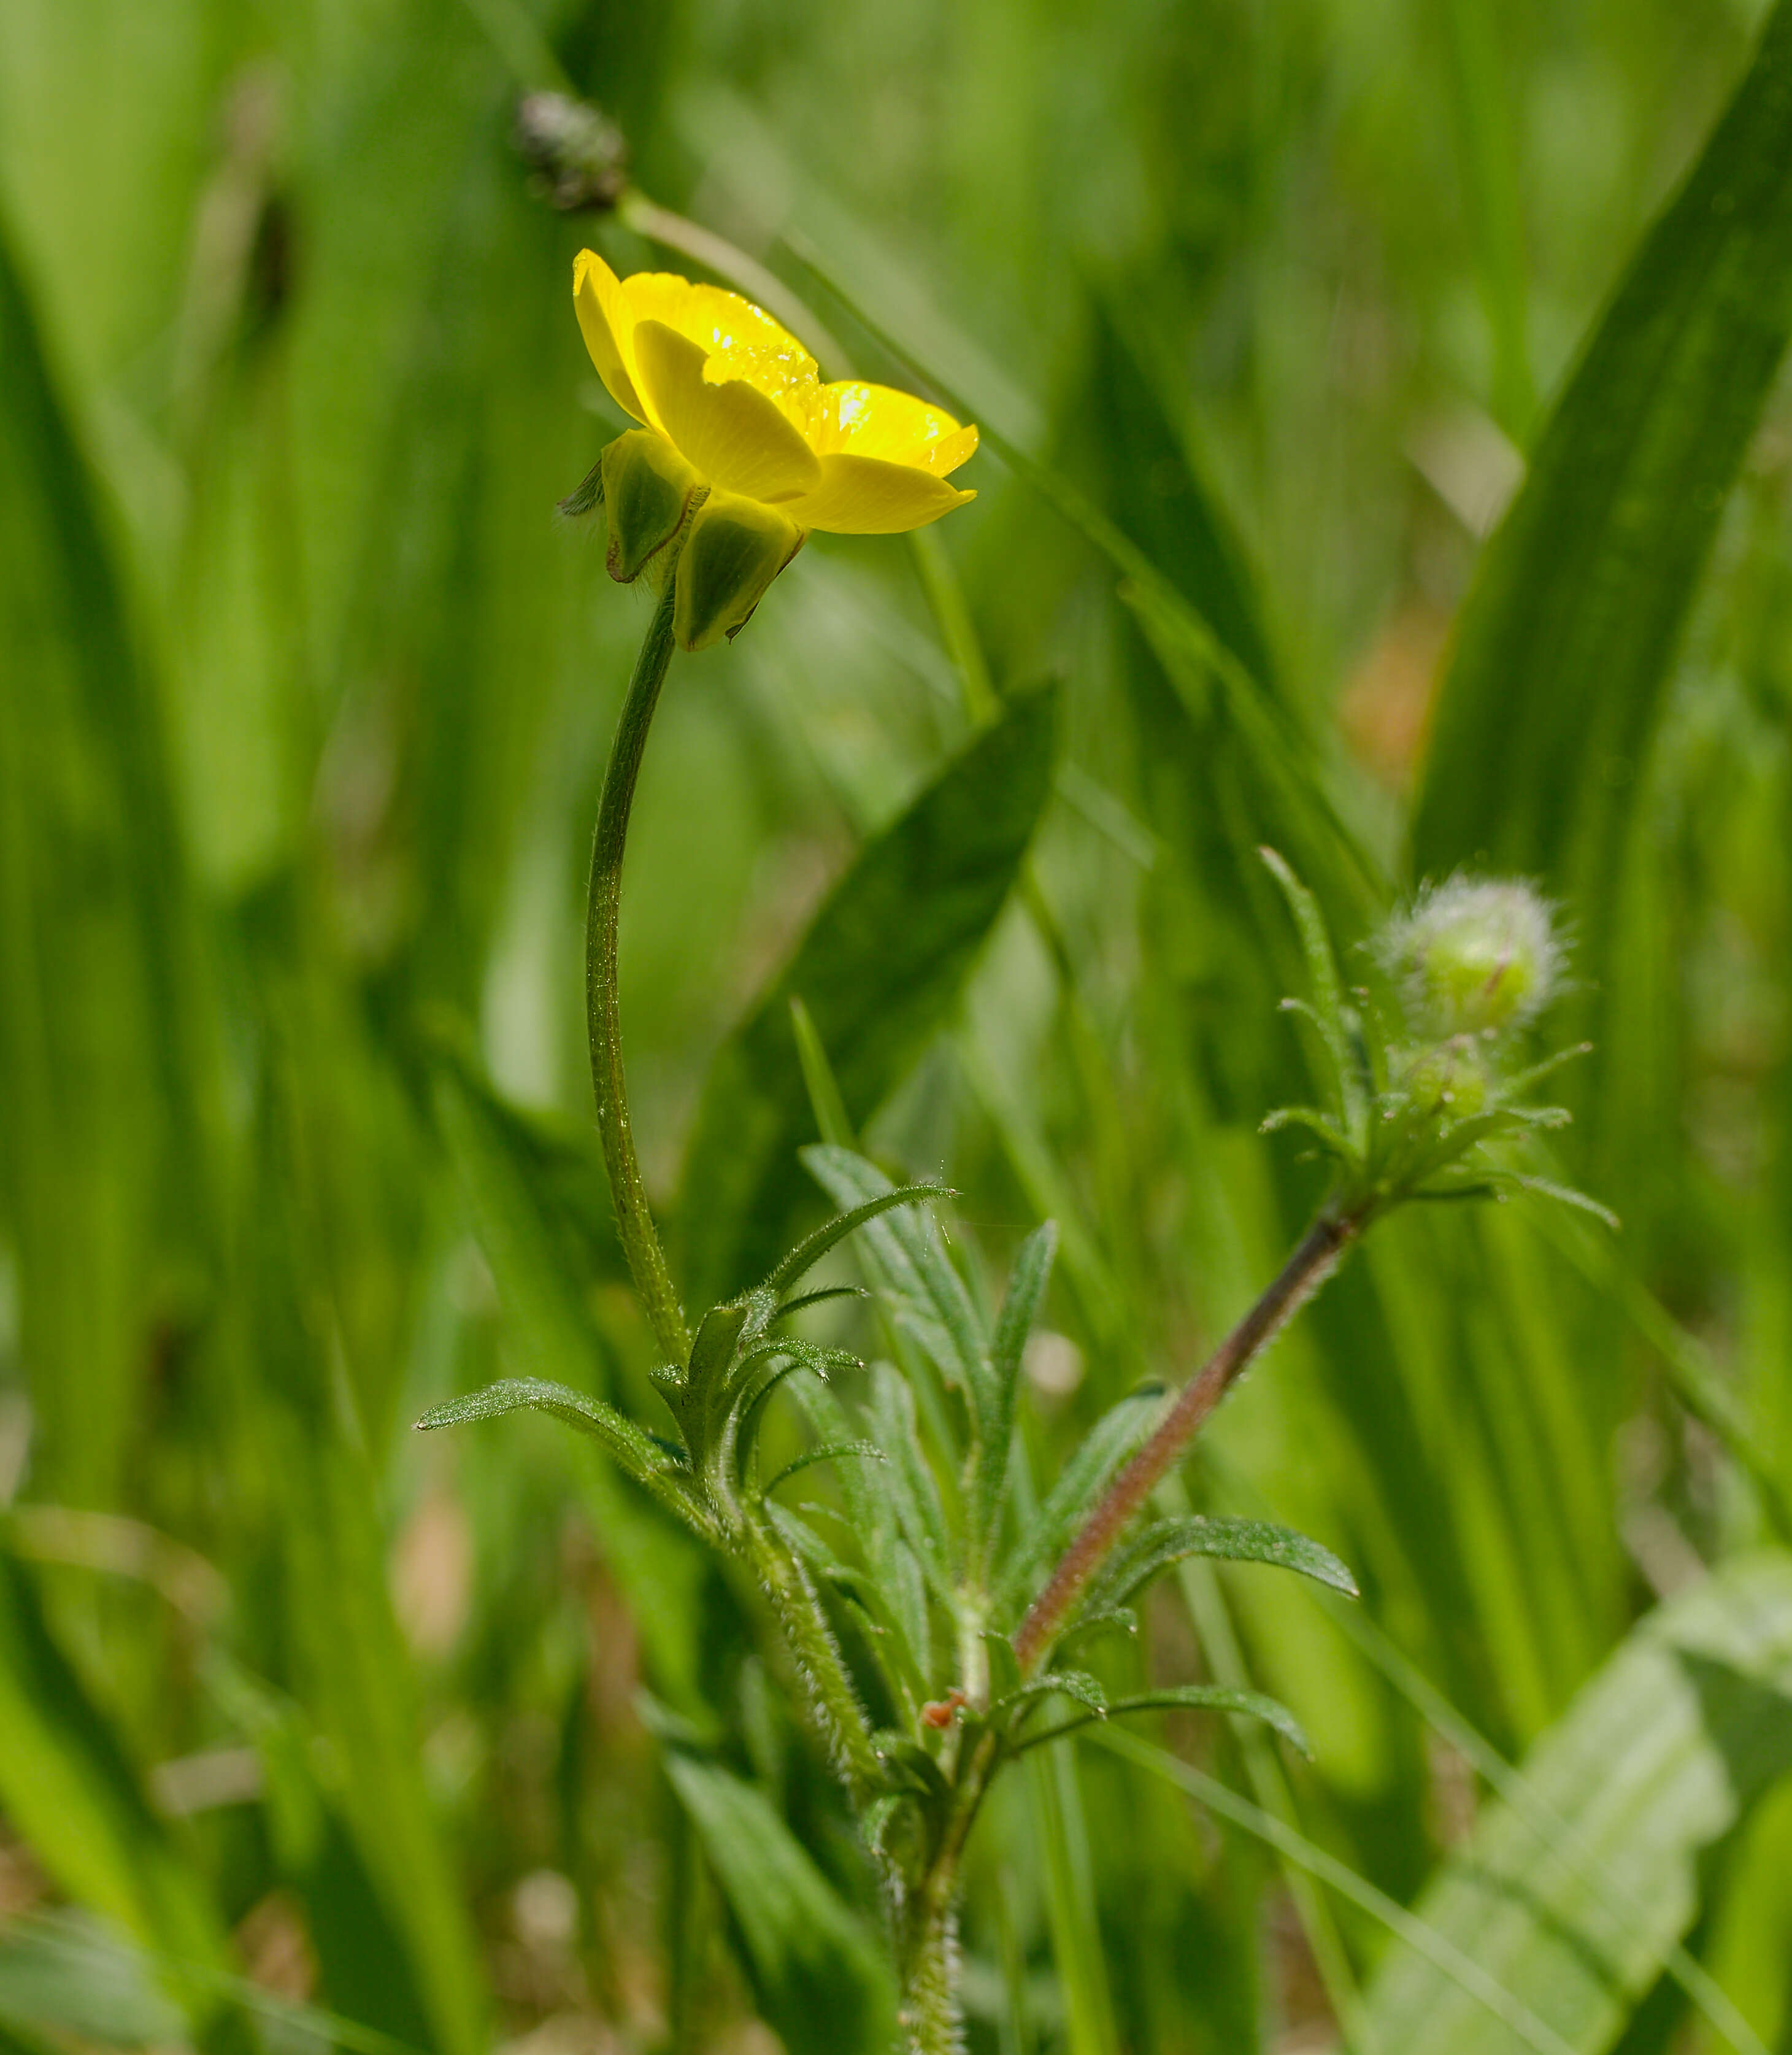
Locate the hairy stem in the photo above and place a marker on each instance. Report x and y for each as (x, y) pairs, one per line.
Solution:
(927, 1969)
(1311, 1263)
(640, 1244)
(833, 1704)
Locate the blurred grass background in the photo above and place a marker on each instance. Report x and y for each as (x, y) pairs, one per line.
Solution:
(311, 1732)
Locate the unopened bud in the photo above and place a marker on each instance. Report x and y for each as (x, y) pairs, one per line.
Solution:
(1473, 956)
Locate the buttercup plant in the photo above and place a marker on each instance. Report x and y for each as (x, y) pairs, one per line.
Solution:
(939, 1638)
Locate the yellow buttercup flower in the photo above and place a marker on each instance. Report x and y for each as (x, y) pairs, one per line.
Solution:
(741, 438)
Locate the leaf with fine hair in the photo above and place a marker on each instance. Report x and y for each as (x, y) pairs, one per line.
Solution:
(1167, 1542)
(927, 1296)
(1326, 1009)
(873, 1494)
(807, 1254)
(1200, 1698)
(826, 1452)
(1076, 1684)
(648, 1462)
(914, 1490)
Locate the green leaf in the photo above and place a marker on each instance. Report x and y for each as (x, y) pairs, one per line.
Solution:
(1076, 1684)
(105, 1071)
(1326, 1010)
(1107, 1444)
(74, 1979)
(880, 970)
(1652, 1767)
(874, 1497)
(1210, 1698)
(807, 1254)
(926, 1294)
(68, 1788)
(1026, 1289)
(644, 1458)
(1168, 1542)
(817, 1971)
(826, 1452)
(538, 1269)
(1571, 631)
(913, 1489)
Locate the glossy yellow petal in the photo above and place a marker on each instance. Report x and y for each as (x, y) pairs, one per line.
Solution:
(740, 340)
(737, 437)
(709, 316)
(866, 496)
(607, 324)
(859, 420)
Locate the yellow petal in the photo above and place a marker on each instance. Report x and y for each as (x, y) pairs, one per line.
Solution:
(606, 324)
(737, 437)
(865, 495)
(876, 421)
(716, 320)
(740, 340)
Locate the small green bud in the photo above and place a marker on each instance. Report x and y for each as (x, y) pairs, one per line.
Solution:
(1450, 1078)
(649, 492)
(735, 548)
(1473, 956)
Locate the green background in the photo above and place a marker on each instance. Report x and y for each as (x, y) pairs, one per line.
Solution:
(313, 1732)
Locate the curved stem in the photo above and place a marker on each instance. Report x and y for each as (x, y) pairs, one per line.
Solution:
(634, 1221)
(1311, 1263)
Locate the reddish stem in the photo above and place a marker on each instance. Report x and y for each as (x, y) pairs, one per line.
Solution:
(1311, 1263)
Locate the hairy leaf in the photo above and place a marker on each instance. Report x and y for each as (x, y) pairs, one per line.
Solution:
(1169, 1541)
(1208, 1698)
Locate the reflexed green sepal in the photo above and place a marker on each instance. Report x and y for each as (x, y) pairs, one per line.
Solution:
(735, 548)
(649, 491)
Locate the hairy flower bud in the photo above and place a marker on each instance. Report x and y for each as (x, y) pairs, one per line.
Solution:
(1473, 956)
